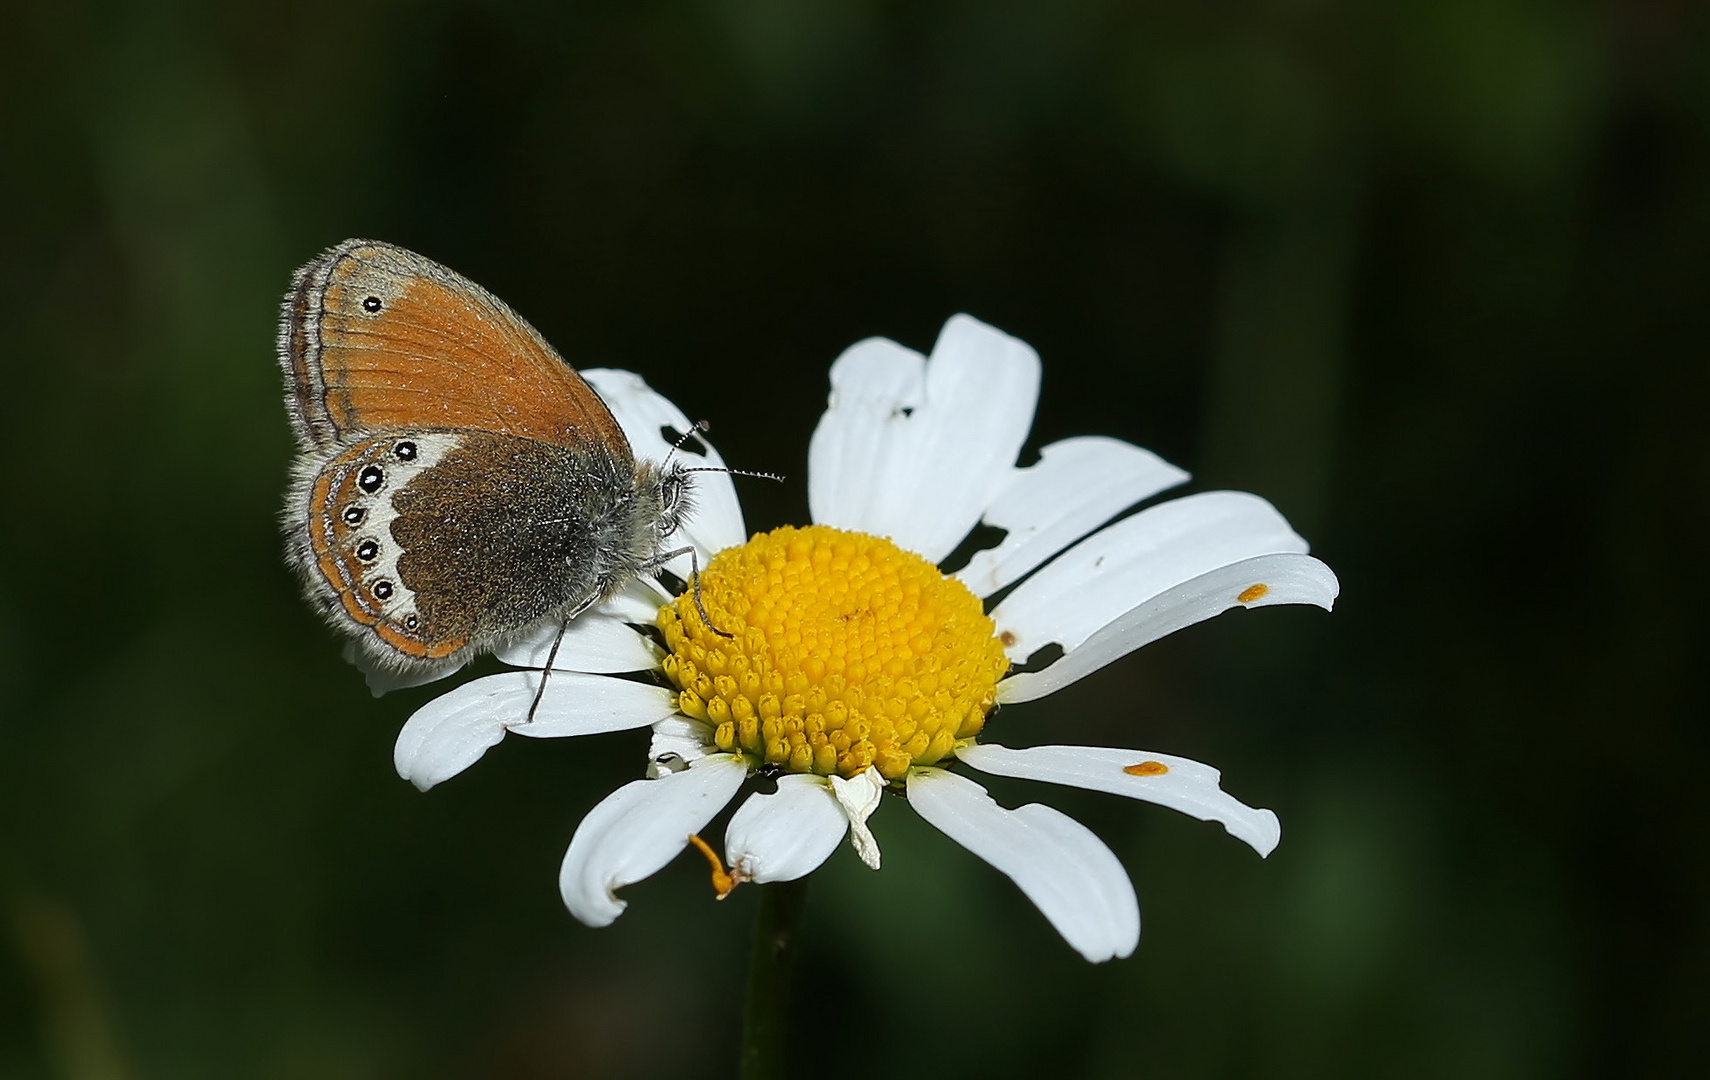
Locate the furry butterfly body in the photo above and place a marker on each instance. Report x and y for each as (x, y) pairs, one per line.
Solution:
(457, 481)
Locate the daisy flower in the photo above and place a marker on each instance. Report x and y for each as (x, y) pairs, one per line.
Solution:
(854, 666)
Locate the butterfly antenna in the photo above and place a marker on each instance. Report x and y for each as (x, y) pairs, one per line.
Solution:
(699, 427)
(738, 472)
(546, 672)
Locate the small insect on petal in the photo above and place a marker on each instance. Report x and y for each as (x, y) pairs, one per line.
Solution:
(1146, 768)
(722, 882)
(1252, 593)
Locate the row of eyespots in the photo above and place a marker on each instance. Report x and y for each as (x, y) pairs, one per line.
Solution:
(371, 479)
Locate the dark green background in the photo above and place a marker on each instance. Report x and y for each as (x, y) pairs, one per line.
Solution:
(1429, 274)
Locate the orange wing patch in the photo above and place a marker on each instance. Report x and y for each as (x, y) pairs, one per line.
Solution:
(377, 338)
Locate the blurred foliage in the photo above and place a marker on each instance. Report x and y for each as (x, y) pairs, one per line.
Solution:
(1427, 273)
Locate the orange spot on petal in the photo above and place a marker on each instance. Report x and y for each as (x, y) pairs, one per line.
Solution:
(1146, 768)
(1007, 637)
(1252, 593)
(722, 882)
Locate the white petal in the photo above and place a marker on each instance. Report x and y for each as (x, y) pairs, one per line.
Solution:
(1276, 579)
(592, 642)
(639, 828)
(678, 742)
(1062, 867)
(1187, 785)
(916, 449)
(637, 602)
(851, 448)
(1119, 568)
(451, 732)
(383, 680)
(859, 796)
(642, 412)
(780, 837)
(1076, 486)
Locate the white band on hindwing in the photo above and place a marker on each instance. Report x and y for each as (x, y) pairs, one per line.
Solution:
(361, 576)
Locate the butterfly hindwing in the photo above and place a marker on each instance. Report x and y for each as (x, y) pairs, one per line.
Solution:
(432, 541)
(347, 554)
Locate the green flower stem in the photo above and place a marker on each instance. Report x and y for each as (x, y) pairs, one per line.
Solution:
(766, 1015)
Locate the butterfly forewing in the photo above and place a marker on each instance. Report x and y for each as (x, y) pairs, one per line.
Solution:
(378, 338)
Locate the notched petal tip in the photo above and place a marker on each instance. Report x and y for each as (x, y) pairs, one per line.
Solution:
(914, 449)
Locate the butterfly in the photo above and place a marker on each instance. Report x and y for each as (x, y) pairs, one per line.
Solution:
(457, 481)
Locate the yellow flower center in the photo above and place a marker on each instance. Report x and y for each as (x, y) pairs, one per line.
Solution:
(845, 652)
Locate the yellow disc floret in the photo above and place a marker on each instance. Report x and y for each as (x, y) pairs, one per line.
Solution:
(845, 652)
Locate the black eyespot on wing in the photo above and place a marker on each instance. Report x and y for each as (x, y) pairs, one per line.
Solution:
(353, 515)
(371, 479)
(367, 550)
(405, 451)
(371, 305)
(411, 622)
(383, 589)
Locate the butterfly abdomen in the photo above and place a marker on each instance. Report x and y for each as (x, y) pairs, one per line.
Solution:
(506, 531)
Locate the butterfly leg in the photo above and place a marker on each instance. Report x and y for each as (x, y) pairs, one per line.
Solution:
(695, 574)
(551, 657)
(546, 672)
